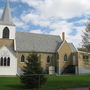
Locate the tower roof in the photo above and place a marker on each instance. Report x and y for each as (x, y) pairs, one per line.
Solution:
(6, 18)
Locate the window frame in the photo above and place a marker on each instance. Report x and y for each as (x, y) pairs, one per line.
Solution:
(8, 61)
(6, 33)
(22, 57)
(48, 58)
(4, 62)
(85, 57)
(1, 61)
(65, 58)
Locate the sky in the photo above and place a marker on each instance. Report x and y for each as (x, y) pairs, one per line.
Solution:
(51, 17)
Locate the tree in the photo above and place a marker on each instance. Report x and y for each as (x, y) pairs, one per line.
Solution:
(33, 75)
(86, 38)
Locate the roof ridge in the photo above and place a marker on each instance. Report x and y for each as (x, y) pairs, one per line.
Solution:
(38, 33)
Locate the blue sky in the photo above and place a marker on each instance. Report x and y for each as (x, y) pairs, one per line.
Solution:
(51, 17)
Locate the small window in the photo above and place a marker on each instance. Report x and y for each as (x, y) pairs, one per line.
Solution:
(22, 58)
(6, 32)
(8, 61)
(5, 61)
(1, 64)
(65, 57)
(48, 59)
(85, 57)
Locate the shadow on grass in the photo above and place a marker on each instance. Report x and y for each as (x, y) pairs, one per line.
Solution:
(21, 87)
(17, 87)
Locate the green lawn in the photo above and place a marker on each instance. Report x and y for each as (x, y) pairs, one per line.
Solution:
(54, 82)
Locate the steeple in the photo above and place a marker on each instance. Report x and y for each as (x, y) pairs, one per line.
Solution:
(6, 18)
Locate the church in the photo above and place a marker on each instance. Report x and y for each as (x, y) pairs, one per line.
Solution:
(57, 56)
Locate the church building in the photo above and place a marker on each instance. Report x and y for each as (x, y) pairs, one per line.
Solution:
(56, 55)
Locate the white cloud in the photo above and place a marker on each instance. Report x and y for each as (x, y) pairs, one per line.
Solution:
(36, 31)
(62, 26)
(29, 17)
(20, 24)
(77, 39)
(34, 3)
(65, 8)
(14, 0)
(56, 9)
(82, 21)
(60, 8)
(1, 12)
(68, 28)
(35, 19)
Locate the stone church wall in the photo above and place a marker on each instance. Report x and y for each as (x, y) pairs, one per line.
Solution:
(42, 56)
(83, 64)
(64, 49)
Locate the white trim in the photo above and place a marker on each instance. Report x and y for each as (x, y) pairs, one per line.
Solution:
(83, 52)
(74, 47)
(15, 44)
(22, 62)
(65, 61)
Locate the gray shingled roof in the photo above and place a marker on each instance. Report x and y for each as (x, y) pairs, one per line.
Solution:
(6, 18)
(30, 42)
(72, 47)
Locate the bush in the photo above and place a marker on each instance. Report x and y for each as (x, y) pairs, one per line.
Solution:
(33, 75)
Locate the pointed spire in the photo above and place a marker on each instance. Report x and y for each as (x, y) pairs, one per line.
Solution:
(6, 16)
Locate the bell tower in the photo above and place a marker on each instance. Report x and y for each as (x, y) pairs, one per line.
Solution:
(7, 27)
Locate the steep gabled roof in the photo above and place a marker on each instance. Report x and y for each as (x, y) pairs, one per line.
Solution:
(30, 42)
(10, 49)
(6, 18)
(72, 47)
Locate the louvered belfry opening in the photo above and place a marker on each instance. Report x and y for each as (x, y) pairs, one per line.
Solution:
(6, 33)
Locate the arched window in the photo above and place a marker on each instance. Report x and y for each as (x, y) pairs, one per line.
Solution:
(6, 32)
(8, 61)
(65, 57)
(48, 59)
(22, 58)
(5, 61)
(1, 62)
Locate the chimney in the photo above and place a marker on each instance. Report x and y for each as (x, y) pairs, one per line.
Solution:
(63, 36)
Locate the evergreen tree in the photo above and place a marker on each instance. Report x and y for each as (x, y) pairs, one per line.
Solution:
(86, 38)
(31, 77)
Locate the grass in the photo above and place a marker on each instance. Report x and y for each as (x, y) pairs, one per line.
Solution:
(67, 81)
(53, 82)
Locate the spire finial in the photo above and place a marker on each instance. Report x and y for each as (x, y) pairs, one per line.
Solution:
(7, 3)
